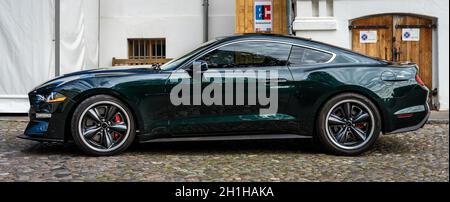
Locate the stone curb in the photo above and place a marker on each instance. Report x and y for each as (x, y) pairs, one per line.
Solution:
(436, 121)
(13, 120)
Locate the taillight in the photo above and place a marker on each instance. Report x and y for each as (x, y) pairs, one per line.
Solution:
(419, 80)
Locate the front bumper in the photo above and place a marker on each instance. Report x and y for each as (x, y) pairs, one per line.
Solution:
(47, 120)
(38, 139)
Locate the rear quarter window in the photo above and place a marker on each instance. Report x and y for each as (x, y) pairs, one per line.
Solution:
(305, 56)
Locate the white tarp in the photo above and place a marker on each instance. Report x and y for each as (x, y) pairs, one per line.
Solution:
(26, 50)
(27, 45)
(79, 35)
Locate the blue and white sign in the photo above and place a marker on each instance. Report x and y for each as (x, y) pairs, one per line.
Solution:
(368, 36)
(411, 34)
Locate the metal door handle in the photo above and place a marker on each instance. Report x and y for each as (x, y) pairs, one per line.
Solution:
(396, 55)
(279, 80)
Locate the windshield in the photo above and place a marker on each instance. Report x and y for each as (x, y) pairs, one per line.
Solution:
(176, 62)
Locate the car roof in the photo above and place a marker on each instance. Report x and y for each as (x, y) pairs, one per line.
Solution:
(284, 38)
(261, 36)
(294, 40)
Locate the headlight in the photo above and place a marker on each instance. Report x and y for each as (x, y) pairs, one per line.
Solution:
(55, 97)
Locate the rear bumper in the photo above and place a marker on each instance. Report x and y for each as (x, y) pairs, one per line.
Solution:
(415, 127)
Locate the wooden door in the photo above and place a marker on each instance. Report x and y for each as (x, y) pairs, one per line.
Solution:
(382, 48)
(245, 16)
(419, 52)
(393, 46)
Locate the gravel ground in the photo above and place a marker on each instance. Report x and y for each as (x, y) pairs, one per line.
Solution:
(415, 156)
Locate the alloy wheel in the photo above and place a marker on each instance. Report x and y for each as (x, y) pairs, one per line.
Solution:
(350, 124)
(104, 126)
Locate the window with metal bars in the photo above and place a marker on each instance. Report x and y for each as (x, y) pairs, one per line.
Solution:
(147, 48)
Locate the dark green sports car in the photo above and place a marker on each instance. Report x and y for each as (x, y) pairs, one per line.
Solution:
(221, 91)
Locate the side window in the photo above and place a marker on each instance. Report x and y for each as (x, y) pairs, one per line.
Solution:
(305, 56)
(248, 54)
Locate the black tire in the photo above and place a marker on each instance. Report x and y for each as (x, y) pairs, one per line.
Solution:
(326, 125)
(79, 119)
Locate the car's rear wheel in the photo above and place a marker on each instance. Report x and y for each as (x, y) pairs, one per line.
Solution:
(348, 124)
(102, 126)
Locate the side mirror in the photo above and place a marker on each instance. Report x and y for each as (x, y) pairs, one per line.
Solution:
(200, 65)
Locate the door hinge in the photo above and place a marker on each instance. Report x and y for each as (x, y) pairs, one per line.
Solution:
(428, 26)
(368, 27)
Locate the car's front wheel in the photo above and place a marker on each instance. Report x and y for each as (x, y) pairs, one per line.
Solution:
(348, 124)
(102, 126)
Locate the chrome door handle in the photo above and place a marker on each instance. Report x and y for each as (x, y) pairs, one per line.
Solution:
(280, 80)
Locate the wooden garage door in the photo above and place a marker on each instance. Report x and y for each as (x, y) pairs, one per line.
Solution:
(421, 51)
(399, 38)
(383, 26)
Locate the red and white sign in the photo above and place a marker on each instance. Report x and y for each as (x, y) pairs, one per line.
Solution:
(263, 15)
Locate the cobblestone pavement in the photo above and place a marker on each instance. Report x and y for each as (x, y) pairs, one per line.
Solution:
(415, 156)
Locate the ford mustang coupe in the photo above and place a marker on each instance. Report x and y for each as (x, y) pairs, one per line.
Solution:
(343, 99)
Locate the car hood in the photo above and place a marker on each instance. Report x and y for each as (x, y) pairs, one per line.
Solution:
(112, 72)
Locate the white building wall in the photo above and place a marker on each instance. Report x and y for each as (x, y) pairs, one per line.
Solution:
(222, 14)
(334, 29)
(179, 21)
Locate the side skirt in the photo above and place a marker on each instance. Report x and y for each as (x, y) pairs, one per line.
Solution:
(230, 137)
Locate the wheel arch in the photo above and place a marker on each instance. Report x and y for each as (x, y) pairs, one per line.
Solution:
(94, 92)
(355, 90)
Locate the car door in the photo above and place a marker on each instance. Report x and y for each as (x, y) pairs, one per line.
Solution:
(247, 74)
(306, 65)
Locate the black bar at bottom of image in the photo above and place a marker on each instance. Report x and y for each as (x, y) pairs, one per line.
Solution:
(225, 191)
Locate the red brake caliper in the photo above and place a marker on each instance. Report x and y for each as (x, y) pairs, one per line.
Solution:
(360, 126)
(117, 119)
